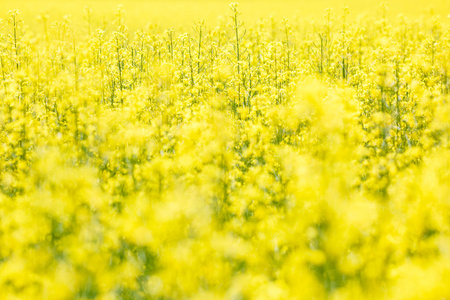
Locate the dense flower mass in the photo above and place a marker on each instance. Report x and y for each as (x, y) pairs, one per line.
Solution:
(275, 160)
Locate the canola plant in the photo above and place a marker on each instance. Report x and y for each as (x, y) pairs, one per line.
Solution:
(274, 160)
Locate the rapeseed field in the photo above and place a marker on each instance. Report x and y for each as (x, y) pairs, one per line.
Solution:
(207, 150)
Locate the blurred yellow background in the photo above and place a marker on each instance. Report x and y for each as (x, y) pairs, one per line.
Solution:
(176, 13)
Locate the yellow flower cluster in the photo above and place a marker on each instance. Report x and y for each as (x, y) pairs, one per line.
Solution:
(276, 160)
